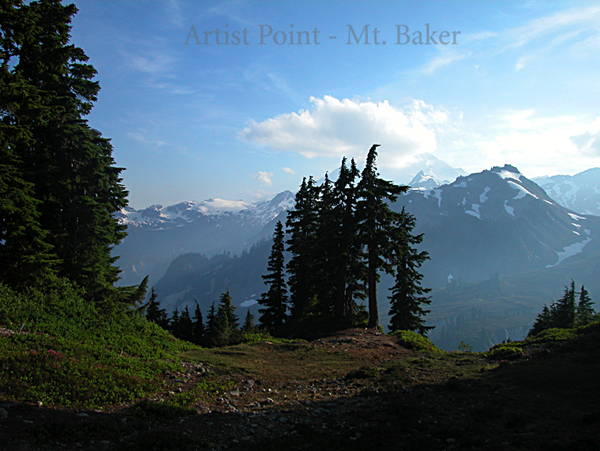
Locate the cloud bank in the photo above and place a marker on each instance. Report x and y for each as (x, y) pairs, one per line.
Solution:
(336, 128)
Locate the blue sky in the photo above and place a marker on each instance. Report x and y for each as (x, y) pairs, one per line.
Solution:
(247, 120)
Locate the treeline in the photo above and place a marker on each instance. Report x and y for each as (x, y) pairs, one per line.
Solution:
(59, 187)
(221, 328)
(340, 237)
(572, 310)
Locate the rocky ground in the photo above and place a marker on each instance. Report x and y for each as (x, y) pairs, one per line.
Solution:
(394, 398)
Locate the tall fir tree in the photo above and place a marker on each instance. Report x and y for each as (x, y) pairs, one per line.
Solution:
(198, 325)
(67, 168)
(323, 263)
(275, 300)
(211, 329)
(376, 221)
(248, 327)
(408, 296)
(226, 321)
(349, 256)
(301, 226)
(564, 310)
(154, 313)
(185, 329)
(585, 313)
(542, 322)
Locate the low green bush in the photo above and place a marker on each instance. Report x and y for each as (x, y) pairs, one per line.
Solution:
(504, 352)
(415, 341)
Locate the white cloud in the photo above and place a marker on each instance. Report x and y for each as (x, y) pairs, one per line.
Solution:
(288, 170)
(336, 128)
(539, 145)
(264, 177)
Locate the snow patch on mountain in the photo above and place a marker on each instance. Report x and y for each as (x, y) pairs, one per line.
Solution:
(505, 173)
(522, 191)
(510, 210)
(575, 217)
(474, 211)
(483, 196)
(569, 251)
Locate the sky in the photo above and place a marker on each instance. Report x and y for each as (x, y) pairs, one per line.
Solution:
(240, 100)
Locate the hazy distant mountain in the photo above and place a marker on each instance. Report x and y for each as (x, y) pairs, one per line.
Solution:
(426, 172)
(580, 192)
(499, 247)
(157, 235)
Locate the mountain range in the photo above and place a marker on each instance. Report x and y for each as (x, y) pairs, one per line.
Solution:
(580, 192)
(157, 235)
(500, 247)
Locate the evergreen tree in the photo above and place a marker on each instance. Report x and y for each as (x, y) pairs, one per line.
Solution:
(542, 322)
(174, 323)
(565, 313)
(185, 329)
(62, 177)
(376, 222)
(564, 310)
(198, 325)
(408, 297)
(248, 323)
(585, 312)
(323, 263)
(275, 299)
(225, 322)
(349, 257)
(154, 313)
(211, 330)
(136, 296)
(301, 226)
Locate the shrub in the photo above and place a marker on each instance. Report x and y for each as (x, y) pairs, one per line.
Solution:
(504, 352)
(415, 341)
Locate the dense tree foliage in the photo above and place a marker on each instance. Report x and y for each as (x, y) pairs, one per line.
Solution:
(58, 183)
(275, 300)
(566, 313)
(377, 224)
(341, 236)
(408, 297)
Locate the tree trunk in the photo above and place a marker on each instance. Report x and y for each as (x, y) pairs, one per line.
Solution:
(372, 289)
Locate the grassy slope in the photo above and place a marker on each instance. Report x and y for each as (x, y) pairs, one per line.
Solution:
(69, 354)
(349, 392)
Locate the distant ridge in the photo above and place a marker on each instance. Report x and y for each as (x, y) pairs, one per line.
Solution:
(579, 192)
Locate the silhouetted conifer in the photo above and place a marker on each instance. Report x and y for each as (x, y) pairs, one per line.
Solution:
(376, 224)
(275, 300)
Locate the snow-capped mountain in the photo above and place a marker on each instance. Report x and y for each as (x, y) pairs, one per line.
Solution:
(580, 192)
(157, 235)
(426, 172)
(496, 221)
(158, 217)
